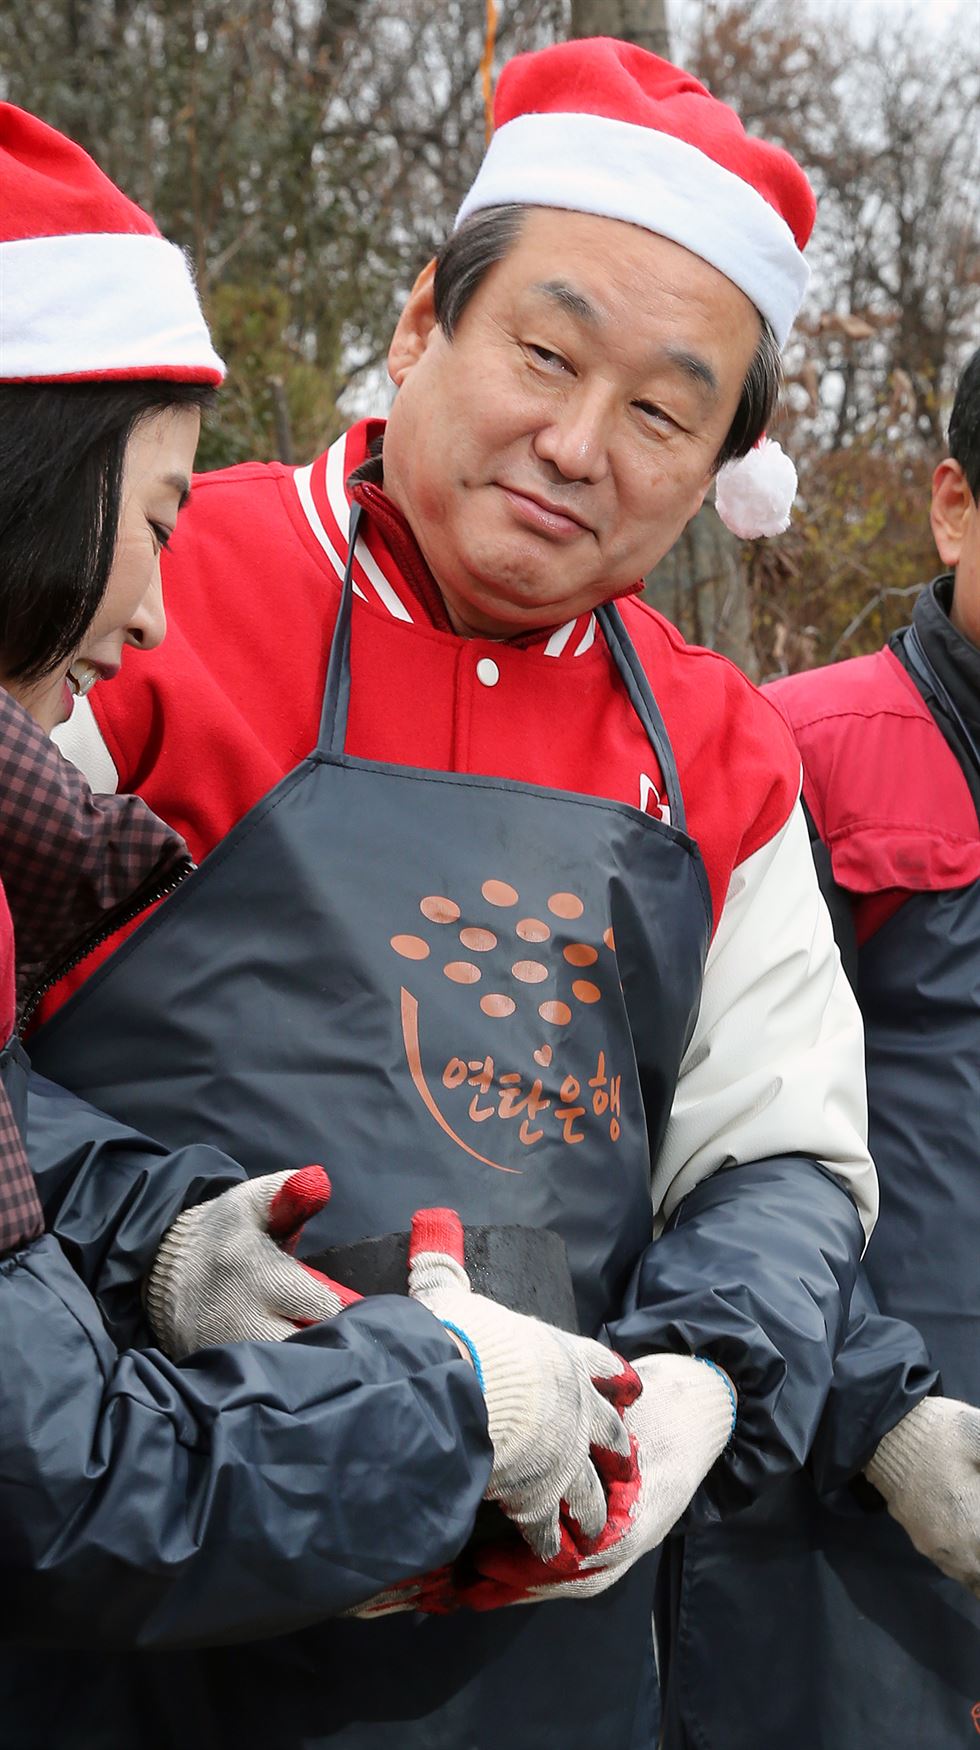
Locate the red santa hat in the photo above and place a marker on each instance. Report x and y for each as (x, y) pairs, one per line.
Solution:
(89, 290)
(599, 126)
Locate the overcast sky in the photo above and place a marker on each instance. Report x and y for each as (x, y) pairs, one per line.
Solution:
(934, 12)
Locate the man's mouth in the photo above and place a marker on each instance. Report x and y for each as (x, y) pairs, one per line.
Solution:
(539, 512)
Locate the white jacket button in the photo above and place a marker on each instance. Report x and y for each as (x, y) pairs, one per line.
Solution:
(487, 671)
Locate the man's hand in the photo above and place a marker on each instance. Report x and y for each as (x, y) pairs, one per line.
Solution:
(678, 1427)
(224, 1273)
(554, 1401)
(928, 1469)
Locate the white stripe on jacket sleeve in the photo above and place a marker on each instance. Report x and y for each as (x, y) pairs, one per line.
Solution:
(776, 1063)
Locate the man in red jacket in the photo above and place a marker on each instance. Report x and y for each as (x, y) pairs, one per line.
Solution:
(511, 905)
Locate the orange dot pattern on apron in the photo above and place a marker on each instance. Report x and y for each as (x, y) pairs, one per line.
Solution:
(438, 908)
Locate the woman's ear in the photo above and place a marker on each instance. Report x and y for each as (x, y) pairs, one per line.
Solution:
(952, 503)
(414, 326)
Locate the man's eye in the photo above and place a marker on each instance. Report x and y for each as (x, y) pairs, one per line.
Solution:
(545, 356)
(653, 412)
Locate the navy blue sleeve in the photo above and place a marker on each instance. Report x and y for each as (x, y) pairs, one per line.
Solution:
(109, 1195)
(883, 1369)
(754, 1270)
(248, 1491)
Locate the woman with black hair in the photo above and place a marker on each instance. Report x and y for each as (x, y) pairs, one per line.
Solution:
(142, 1502)
(92, 477)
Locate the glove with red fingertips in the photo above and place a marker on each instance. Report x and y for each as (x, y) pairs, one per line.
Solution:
(555, 1402)
(224, 1272)
(678, 1428)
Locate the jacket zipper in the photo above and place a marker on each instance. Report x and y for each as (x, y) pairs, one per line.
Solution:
(113, 921)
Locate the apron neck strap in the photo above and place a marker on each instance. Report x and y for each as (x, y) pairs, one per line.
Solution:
(641, 697)
(336, 692)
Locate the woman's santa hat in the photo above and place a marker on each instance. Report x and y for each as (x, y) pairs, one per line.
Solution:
(599, 126)
(89, 290)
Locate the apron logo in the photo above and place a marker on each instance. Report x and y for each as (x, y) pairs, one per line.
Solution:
(539, 1107)
(648, 791)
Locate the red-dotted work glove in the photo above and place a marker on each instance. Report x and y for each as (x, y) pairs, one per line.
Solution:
(224, 1271)
(555, 1406)
(678, 1427)
(554, 1401)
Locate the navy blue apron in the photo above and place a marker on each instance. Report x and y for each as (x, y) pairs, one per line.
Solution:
(866, 1642)
(449, 990)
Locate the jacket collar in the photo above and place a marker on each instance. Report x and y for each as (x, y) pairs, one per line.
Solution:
(955, 660)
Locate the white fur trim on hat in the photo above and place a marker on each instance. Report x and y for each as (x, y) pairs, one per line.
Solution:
(92, 305)
(596, 164)
(754, 496)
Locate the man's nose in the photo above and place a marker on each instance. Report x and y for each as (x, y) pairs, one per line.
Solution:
(577, 436)
(148, 624)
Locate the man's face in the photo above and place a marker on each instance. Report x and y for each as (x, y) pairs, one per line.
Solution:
(551, 452)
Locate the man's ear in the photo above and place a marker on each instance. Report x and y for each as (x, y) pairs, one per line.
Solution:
(952, 502)
(414, 326)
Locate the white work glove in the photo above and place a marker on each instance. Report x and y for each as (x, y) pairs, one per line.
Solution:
(928, 1469)
(679, 1426)
(223, 1272)
(554, 1401)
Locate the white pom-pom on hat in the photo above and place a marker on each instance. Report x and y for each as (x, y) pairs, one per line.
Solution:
(754, 496)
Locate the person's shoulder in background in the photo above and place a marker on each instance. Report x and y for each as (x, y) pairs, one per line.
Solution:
(884, 789)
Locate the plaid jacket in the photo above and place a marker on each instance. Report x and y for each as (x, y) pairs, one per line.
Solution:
(73, 867)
